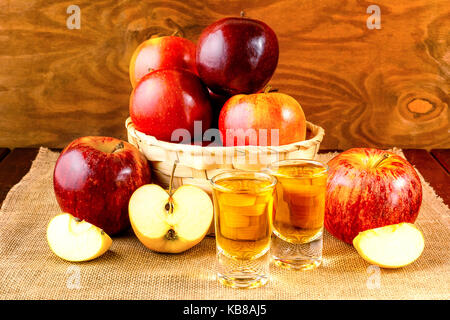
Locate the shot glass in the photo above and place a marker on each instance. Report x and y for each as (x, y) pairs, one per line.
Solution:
(299, 214)
(243, 207)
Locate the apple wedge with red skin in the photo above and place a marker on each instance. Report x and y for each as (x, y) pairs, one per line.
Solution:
(369, 188)
(94, 178)
(169, 99)
(237, 55)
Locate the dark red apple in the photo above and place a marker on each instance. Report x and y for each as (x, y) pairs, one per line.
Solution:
(262, 119)
(217, 102)
(237, 55)
(168, 52)
(370, 188)
(94, 178)
(169, 99)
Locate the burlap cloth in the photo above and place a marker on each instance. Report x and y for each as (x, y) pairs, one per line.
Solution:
(29, 270)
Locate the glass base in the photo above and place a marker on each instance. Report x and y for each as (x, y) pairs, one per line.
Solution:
(297, 256)
(242, 281)
(242, 273)
(297, 264)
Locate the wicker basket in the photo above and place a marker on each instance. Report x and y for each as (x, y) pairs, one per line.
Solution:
(198, 164)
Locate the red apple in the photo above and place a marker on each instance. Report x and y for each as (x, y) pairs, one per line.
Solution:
(217, 102)
(243, 116)
(94, 178)
(168, 52)
(237, 55)
(370, 188)
(169, 99)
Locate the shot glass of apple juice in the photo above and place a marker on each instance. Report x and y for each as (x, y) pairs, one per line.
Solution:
(243, 206)
(299, 214)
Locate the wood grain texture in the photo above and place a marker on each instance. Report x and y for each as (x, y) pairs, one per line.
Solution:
(431, 170)
(443, 157)
(382, 88)
(3, 153)
(13, 167)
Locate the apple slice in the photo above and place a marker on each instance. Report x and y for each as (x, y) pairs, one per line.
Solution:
(232, 219)
(237, 200)
(75, 240)
(239, 211)
(170, 224)
(250, 233)
(392, 246)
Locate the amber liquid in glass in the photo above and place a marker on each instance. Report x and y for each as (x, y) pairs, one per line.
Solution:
(243, 227)
(300, 193)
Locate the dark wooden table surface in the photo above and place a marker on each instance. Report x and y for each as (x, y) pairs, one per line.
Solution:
(433, 165)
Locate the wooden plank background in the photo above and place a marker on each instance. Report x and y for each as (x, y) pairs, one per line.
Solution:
(383, 88)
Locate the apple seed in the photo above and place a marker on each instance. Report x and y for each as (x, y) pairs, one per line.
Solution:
(169, 207)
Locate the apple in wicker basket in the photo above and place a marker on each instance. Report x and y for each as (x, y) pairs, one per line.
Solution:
(217, 102)
(167, 100)
(369, 188)
(268, 118)
(237, 55)
(169, 52)
(94, 178)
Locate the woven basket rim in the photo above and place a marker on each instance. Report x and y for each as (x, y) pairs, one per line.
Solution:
(318, 132)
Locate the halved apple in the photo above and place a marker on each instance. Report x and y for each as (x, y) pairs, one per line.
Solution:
(170, 224)
(75, 240)
(391, 246)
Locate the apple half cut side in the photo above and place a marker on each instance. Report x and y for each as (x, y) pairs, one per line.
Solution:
(392, 246)
(170, 224)
(76, 240)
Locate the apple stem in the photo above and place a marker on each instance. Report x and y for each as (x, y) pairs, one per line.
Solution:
(169, 205)
(385, 156)
(242, 14)
(176, 32)
(171, 177)
(119, 146)
(269, 88)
